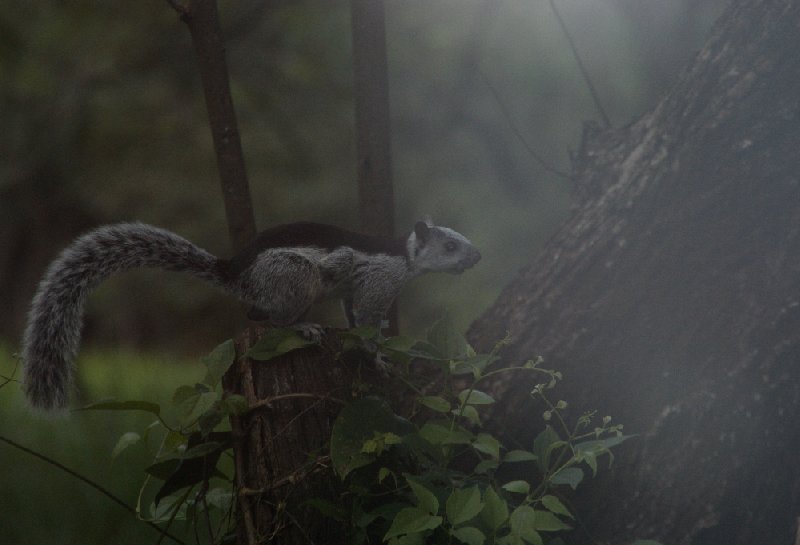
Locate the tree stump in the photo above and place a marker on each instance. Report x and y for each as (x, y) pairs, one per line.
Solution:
(280, 445)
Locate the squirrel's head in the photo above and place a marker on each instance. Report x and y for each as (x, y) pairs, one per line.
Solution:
(432, 248)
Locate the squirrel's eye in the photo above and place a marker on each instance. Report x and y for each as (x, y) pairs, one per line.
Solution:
(450, 246)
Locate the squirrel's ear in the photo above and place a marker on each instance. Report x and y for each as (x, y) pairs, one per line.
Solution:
(421, 230)
(428, 219)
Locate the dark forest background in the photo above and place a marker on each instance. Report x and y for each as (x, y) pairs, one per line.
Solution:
(104, 121)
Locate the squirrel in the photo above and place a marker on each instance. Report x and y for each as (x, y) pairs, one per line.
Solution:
(281, 274)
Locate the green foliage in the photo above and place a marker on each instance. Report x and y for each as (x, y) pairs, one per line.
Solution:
(434, 475)
(187, 478)
(448, 468)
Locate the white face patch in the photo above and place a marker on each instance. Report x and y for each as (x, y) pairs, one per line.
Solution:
(442, 250)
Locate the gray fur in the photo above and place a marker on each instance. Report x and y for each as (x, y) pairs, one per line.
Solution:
(282, 283)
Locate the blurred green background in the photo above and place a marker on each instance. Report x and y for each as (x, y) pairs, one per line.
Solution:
(103, 121)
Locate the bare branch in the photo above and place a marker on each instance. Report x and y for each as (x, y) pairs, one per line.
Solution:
(539, 159)
(581, 67)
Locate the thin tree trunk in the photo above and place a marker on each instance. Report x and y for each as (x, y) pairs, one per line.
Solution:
(671, 298)
(373, 133)
(202, 19)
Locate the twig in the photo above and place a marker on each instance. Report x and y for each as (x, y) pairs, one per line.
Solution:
(581, 67)
(270, 400)
(91, 483)
(245, 374)
(539, 159)
(11, 377)
(295, 477)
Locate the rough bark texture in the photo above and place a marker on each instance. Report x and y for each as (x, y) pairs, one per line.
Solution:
(671, 297)
(281, 445)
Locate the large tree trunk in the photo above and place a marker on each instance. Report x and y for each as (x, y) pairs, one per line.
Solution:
(671, 297)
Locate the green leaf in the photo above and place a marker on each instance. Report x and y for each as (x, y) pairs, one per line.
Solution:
(485, 466)
(518, 487)
(197, 464)
(554, 505)
(357, 423)
(329, 509)
(409, 348)
(509, 539)
(571, 476)
(487, 444)
(448, 342)
(111, 405)
(182, 393)
(412, 520)
(588, 451)
(591, 459)
(203, 449)
(162, 470)
(426, 500)
(383, 473)
(546, 521)
(601, 445)
(437, 434)
(469, 535)
(409, 539)
(218, 362)
(473, 365)
(221, 498)
(495, 509)
(163, 511)
(387, 511)
(436, 403)
(209, 420)
(523, 524)
(233, 404)
(124, 442)
(469, 412)
(277, 342)
(173, 442)
(475, 397)
(365, 333)
(543, 445)
(399, 344)
(463, 505)
(193, 406)
(519, 456)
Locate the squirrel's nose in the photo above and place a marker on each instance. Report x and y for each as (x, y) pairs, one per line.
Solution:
(476, 256)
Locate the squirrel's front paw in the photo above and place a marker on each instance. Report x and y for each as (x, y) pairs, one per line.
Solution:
(383, 367)
(310, 331)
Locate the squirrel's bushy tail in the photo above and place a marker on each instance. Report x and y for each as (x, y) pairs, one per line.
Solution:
(55, 320)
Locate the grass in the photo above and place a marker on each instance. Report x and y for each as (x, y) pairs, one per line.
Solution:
(42, 504)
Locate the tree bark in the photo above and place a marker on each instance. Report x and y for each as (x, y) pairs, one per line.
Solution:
(671, 297)
(280, 444)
